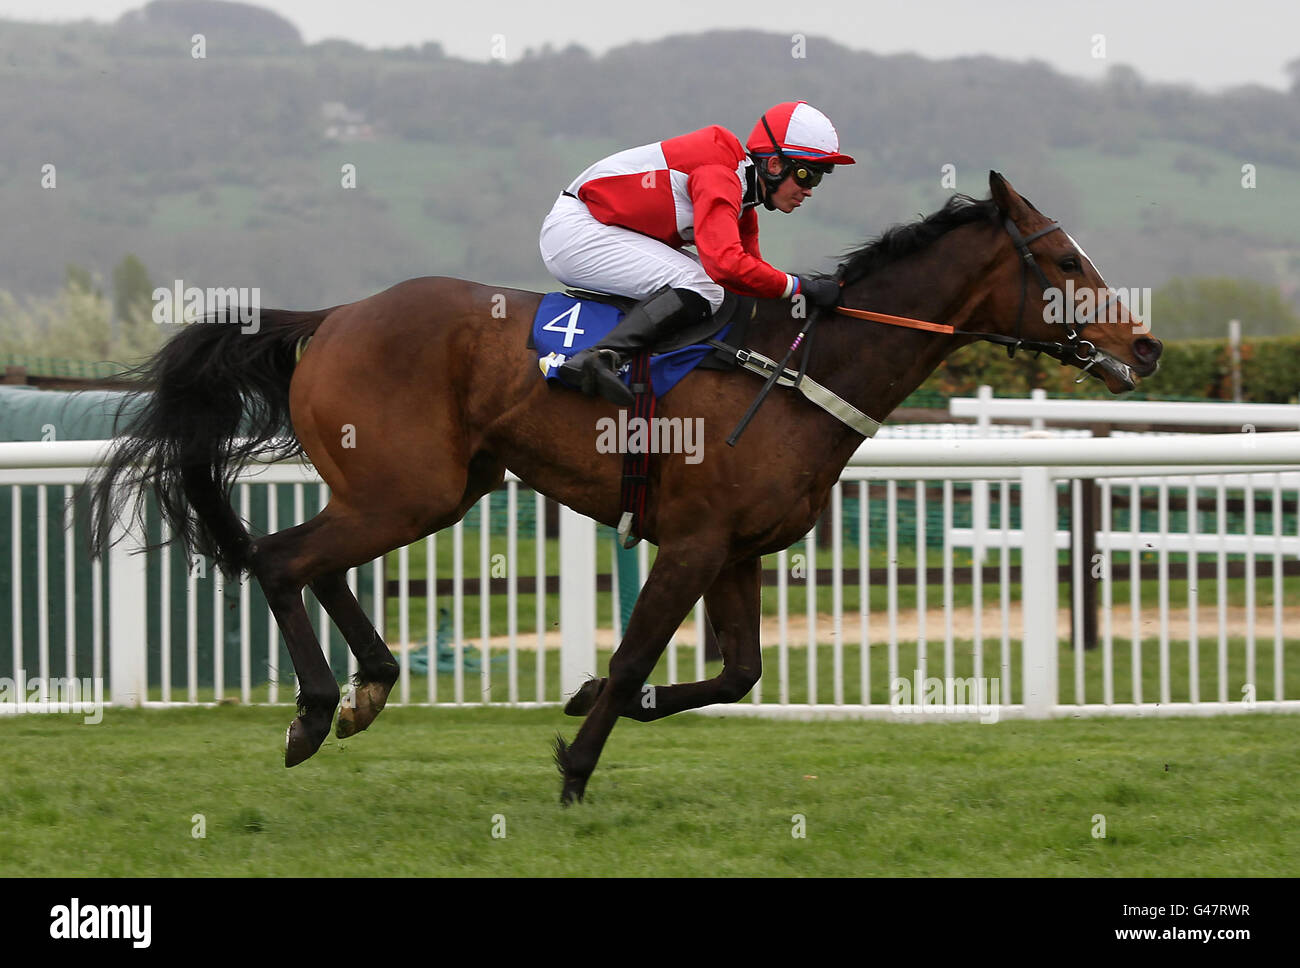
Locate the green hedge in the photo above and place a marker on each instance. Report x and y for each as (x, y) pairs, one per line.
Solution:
(1190, 369)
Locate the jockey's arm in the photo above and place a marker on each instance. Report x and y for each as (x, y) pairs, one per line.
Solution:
(749, 233)
(715, 197)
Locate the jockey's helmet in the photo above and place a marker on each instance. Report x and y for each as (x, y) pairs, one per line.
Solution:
(802, 138)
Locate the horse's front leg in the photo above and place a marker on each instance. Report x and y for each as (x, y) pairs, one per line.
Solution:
(676, 581)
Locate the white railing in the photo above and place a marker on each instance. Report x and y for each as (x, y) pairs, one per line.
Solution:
(1037, 468)
(985, 408)
(1026, 639)
(117, 622)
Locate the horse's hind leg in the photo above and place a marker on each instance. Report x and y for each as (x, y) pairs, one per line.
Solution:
(733, 605)
(285, 562)
(276, 562)
(377, 670)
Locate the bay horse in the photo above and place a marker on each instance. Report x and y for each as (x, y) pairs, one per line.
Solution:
(414, 402)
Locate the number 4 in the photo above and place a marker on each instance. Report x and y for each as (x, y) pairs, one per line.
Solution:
(570, 329)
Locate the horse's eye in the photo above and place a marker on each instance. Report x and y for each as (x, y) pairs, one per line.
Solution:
(1070, 264)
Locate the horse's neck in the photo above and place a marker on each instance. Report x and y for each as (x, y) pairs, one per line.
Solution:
(875, 366)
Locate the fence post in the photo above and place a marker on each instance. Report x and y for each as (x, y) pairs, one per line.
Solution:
(1038, 395)
(1038, 585)
(128, 628)
(577, 600)
(1087, 532)
(979, 490)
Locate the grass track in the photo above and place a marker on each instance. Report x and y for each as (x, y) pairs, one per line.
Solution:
(688, 796)
(879, 685)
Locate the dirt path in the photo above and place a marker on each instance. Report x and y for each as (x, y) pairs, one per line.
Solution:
(963, 622)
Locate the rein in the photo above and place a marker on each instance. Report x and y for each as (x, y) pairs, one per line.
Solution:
(1080, 349)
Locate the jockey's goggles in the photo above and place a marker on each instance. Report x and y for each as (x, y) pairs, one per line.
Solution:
(807, 175)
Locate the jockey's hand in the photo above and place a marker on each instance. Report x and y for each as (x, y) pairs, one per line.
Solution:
(820, 292)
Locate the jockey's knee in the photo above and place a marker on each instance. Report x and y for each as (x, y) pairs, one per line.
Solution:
(698, 305)
(709, 291)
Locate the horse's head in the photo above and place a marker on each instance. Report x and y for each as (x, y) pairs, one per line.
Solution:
(1045, 290)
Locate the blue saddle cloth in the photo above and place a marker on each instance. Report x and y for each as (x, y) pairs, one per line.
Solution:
(564, 325)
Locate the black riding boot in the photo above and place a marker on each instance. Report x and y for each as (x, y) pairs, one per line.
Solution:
(595, 369)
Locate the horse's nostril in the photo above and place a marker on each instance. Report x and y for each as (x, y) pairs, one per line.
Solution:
(1148, 350)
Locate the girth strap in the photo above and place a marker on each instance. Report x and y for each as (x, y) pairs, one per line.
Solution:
(836, 406)
(636, 466)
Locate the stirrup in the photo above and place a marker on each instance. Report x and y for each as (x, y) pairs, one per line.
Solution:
(595, 371)
(600, 378)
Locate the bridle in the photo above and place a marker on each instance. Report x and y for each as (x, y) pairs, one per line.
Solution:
(1074, 349)
(1029, 264)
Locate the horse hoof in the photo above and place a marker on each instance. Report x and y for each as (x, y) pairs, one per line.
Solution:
(301, 742)
(581, 702)
(360, 707)
(574, 789)
(347, 725)
(574, 786)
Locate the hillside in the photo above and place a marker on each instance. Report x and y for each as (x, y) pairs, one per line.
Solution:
(226, 169)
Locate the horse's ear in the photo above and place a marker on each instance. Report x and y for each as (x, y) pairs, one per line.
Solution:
(1004, 196)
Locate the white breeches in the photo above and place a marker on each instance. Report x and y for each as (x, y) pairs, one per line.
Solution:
(581, 251)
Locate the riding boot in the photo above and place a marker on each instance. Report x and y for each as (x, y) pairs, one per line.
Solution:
(595, 369)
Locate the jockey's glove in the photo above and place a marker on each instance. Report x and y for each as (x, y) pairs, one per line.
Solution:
(820, 292)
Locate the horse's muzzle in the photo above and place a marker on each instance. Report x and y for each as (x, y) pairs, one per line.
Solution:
(1146, 351)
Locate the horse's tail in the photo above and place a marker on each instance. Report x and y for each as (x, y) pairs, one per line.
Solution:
(220, 397)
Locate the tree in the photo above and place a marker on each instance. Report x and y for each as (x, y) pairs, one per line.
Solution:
(136, 335)
(1186, 308)
(79, 278)
(18, 330)
(131, 287)
(75, 323)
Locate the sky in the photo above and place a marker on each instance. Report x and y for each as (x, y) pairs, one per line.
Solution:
(1210, 44)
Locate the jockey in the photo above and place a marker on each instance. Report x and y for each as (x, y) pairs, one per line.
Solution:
(621, 225)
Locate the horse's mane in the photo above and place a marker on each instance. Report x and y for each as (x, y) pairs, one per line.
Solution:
(904, 240)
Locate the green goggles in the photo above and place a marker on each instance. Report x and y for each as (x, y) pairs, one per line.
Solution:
(807, 175)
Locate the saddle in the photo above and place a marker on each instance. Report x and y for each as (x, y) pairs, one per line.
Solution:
(701, 347)
(735, 310)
